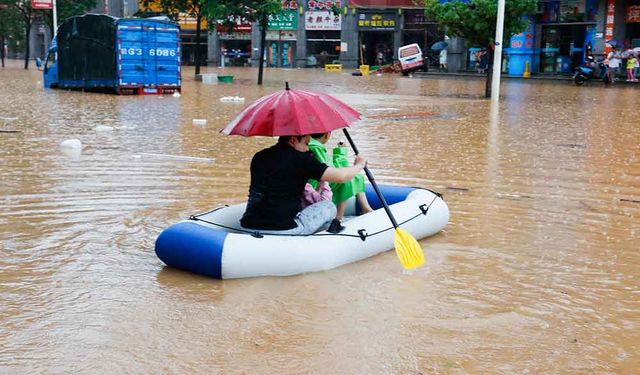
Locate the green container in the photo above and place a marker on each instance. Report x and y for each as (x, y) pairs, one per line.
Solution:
(227, 79)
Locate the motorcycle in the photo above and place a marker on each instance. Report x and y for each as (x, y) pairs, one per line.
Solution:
(591, 70)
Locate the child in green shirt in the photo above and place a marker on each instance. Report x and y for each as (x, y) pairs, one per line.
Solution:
(342, 191)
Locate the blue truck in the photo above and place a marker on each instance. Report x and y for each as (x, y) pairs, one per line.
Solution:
(95, 52)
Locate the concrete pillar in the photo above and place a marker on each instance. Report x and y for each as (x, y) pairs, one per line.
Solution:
(456, 54)
(213, 48)
(349, 39)
(300, 59)
(255, 45)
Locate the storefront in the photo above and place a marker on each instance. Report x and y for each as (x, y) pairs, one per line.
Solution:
(323, 32)
(281, 37)
(632, 20)
(565, 30)
(235, 45)
(376, 31)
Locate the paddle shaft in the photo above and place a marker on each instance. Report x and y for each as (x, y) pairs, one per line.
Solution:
(373, 181)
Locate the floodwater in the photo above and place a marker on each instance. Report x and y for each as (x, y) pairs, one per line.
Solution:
(536, 273)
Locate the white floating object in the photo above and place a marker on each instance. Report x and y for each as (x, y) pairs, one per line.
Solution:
(231, 99)
(73, 144)
(383, 109)
(103, 128)
(199, 121)
(176, 94)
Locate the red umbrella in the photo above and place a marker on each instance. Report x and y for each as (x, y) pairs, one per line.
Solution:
(292, 112)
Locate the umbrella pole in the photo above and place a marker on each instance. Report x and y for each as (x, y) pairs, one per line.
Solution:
(407, 248)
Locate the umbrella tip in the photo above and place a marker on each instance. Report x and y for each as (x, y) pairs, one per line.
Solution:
(286, 85)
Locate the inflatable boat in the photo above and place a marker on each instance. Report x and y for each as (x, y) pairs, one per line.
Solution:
(214, 243)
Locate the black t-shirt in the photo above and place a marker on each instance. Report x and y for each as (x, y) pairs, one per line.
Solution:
(278, 176)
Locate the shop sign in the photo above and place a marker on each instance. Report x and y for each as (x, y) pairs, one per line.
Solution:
(633, 14)
(289, 4)
(281, 35)
(322, 20)
(187, 21)
(377, 21)
(234, 36)
(287, 20)
(523, 40)
(239, 25)
(608, 30)
(323, 4)
(42, 4)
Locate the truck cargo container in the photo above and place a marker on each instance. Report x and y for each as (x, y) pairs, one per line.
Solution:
(95, 52)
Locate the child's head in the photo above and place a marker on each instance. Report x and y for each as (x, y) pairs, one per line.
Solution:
(321, 137)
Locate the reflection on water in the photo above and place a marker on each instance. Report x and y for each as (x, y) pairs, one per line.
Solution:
(536, 271)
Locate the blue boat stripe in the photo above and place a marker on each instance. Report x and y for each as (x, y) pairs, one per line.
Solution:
(392, 194)
(192, 247)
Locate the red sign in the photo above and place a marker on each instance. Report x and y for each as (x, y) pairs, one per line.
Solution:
(633, 13)
(42, 4)
(289, 4)
(323, 4)
(608, 30)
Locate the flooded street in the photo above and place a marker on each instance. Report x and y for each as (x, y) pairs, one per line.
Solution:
(536, 273)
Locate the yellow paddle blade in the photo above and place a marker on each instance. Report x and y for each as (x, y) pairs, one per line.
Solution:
(408, 249)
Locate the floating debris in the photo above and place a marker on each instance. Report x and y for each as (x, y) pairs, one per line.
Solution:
(71, 144)
(629, 200)
(571, 145)
(232, 99)
(453, 188)
(103, 128)
(10, 131)
(199, 121)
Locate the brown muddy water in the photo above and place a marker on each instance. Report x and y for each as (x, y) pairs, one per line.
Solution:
(536, 273)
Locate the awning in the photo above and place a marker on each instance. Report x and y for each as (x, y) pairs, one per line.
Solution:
(417, 4)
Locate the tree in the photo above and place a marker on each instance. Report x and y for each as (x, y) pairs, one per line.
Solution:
(28, 15)
(255, 11)
(66, 9)
(194, 8)
(10, 26)
(475, 21)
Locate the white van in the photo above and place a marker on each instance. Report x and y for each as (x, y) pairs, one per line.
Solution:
(410, 57)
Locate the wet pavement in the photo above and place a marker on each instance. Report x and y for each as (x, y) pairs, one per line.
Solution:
(537, 271)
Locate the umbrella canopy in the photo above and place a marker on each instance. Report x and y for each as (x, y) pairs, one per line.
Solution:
(292, 112)
(439, 46)
(614, 43)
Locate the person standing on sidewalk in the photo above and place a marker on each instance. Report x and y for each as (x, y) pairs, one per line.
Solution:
(614, 64)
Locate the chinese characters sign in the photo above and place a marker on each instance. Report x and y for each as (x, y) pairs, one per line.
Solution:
(377, 21)
(321, 20)
(323, 4)
(633, 13)
(287, 20)
(42, 4)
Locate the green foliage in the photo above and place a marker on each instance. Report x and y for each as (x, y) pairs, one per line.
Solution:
(476, 21)
(250, 10)
(11, 25)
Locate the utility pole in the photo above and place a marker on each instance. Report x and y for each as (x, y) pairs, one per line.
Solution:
(55, 18)
(497, 55)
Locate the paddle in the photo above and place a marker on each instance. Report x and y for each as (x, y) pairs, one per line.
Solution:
(407, 248)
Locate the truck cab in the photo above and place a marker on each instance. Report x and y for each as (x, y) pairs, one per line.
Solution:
(50, 74)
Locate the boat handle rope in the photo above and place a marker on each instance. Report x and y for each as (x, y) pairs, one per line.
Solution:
(362, 233)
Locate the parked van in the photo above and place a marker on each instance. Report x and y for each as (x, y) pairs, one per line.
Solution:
(96, 52)
(410, 57)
